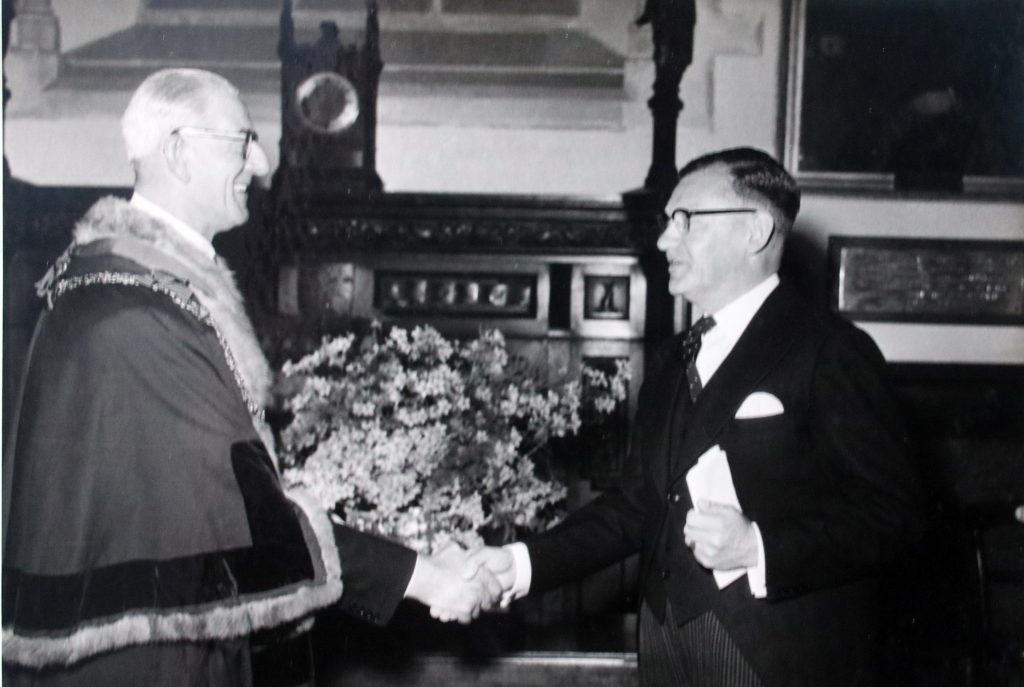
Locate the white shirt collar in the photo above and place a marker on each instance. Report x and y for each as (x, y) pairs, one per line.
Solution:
(730, 323)
(184, 231)
(738, 314)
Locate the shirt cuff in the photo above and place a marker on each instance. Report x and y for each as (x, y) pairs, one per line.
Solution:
(757, 575)
(524, 573)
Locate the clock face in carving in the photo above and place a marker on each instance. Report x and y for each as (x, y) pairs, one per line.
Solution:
(327, 103)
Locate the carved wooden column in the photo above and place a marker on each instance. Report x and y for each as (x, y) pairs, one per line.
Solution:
(328, 112)
(672, 22)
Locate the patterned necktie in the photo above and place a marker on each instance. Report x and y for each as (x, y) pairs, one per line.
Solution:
(691, 346)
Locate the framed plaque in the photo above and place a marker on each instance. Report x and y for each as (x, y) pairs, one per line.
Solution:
(927, 280)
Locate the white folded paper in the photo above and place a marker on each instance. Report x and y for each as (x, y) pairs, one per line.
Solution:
(711, 480)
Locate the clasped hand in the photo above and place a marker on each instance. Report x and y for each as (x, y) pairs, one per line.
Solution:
(456, 584)
(720, 536)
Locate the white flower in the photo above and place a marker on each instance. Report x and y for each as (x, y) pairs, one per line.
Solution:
(428, 440)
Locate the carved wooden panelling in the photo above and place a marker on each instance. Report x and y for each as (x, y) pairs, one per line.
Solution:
(455, 294)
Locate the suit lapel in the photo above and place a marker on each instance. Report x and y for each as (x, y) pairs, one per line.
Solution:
(673, 403)
(759, 349)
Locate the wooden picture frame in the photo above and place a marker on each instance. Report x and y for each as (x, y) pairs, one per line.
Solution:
(891, 95)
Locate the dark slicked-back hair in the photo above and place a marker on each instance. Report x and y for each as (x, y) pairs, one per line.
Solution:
(757, 176)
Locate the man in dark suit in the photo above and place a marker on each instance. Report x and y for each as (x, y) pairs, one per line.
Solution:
(769, 479)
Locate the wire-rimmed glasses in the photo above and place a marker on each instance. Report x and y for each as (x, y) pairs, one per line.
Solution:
(247, 136)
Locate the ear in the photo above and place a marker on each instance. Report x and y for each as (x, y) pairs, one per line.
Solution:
(175, 154)
(762, 230)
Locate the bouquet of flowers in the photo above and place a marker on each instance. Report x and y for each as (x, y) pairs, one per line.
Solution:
(426, 440)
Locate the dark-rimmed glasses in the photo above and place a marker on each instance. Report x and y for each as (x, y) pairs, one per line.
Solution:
(681, 217)
(247, 136)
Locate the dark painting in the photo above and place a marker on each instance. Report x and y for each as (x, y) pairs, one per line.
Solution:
(917, 93)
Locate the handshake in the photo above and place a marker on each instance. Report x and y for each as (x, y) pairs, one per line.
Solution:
(456, 584)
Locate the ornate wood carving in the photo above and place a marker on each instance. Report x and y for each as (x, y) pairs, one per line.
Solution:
(672, 22)
(328, 111)
(453, 223)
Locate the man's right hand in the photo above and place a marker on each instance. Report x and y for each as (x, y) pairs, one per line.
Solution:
(500, 563)
(453, 588)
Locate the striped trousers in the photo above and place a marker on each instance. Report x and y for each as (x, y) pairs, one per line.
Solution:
(700, 653)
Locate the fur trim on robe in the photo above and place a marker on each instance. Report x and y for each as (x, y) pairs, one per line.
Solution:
(221, 594)
(218, 622)
(113, 217)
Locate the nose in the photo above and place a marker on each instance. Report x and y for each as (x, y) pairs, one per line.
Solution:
(258, 163)
(668, 239)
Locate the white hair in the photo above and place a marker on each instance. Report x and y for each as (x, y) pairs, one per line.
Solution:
(166, 100)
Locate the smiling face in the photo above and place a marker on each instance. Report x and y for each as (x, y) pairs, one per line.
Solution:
(220, 173)
(709, 264)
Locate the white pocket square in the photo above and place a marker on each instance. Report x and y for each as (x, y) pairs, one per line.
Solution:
(759, 404)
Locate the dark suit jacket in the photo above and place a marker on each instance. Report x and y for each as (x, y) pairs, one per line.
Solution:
(829, 483)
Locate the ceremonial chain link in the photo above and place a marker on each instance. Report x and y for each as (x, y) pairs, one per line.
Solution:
(191, 306)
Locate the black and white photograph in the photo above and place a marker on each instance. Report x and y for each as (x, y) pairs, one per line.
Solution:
(460, 343)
